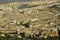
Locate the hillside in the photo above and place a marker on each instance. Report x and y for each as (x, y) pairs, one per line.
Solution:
(36, 18)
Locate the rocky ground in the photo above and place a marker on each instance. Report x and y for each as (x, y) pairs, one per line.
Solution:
(36, 18)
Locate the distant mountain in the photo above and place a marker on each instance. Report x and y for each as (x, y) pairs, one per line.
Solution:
(5, 1)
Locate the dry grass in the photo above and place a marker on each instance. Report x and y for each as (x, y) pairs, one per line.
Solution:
(15, 15)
